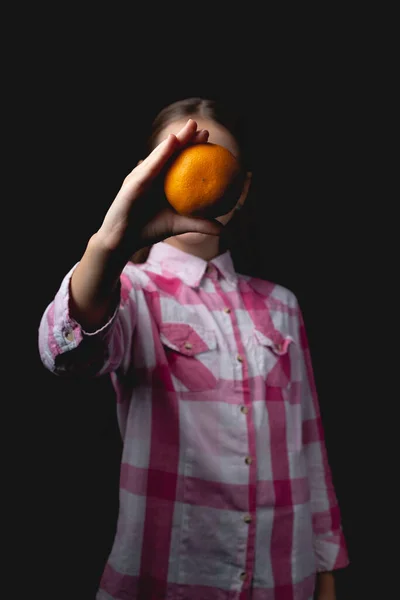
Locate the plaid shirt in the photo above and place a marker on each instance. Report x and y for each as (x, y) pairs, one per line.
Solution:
(225, 488)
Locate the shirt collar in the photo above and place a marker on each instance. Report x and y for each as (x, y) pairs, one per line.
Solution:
(191, 269)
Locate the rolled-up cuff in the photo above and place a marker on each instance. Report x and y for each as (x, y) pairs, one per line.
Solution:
(331, 552)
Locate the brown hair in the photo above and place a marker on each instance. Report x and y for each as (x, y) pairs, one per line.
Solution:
(236, 235)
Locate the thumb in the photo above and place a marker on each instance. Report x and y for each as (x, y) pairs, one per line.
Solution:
(182, 224)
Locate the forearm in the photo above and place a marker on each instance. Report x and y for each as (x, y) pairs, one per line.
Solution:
(325, 587)
(94, 284)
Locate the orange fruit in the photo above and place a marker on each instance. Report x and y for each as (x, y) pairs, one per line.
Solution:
(203, 180)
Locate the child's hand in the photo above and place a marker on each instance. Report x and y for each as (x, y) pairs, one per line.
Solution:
(140, 214)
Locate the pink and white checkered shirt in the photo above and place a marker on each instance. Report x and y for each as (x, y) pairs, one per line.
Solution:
(225, 488)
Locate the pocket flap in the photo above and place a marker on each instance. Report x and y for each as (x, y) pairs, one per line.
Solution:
(279, 343)
(186, 339)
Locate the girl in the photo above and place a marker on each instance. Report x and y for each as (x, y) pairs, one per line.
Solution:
(225, 488)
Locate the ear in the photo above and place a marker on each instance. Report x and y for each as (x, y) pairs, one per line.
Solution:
(245, 190)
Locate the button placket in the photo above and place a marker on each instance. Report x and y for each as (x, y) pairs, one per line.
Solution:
(247, 519)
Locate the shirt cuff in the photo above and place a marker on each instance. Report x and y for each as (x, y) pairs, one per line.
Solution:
(331, 552)
(72, 332)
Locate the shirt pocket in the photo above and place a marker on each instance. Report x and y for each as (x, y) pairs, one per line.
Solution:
(278, 363)
(192, 356)
(274, 358)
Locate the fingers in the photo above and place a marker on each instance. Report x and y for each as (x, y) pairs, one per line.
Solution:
(165, 149)
(198, 225)
(155, 161)
(151, 166)
(200, 137)
(167, 223)
(159, 156)
(189, 134)
(185, 134)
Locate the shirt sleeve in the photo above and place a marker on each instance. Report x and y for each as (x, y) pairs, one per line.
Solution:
(66, 349)
(329, 542)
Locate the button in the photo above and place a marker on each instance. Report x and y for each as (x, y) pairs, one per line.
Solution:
(243, 576)
(69, 336)
(227, 310)
(240, 358)
(248, 460)
(278, 347)
(188, 345)
(244, 409)
(247, 519)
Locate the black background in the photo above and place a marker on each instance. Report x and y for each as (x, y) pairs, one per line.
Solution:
(86, 98)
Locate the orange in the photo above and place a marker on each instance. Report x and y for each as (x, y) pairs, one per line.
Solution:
(201, 180)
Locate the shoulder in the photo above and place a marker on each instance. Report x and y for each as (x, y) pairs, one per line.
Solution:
(281, 304)
(275, 294)
(134, 273)
(133, 280)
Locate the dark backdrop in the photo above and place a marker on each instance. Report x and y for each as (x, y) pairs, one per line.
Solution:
(86, 119)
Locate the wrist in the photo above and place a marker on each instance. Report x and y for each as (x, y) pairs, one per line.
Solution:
(103, 245)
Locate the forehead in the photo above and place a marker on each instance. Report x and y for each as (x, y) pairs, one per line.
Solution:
(218, 134)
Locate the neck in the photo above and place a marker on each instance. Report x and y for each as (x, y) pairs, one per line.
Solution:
(206, 250)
